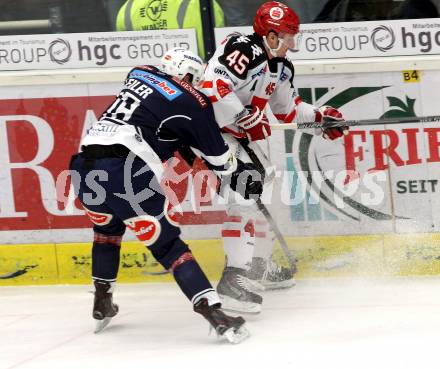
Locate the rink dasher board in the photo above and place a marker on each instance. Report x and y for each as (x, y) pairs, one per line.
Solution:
(52, 118)
(342, 40)
(365, 256)
(91, 49)
(54, 115)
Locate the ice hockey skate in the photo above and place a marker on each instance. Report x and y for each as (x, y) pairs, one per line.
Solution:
(227, 327)
(271, 275)
(235, 291)
(103, 307)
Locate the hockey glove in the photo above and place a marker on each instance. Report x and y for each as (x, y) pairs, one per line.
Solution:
(255, 124)
(246, 180)
(327, 114)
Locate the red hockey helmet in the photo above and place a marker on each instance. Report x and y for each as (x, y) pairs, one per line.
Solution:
(275, 16)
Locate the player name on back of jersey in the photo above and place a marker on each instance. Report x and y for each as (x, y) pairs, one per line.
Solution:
(138, 88)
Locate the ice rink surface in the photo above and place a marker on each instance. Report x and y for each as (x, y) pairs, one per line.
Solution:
(330, 323)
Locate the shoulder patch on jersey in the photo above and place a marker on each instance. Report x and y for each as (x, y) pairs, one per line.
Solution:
(161, 85)
(223, 88)
(243, 53)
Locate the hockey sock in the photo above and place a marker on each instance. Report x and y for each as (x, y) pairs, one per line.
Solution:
(264, 240)
(105, 257)
(238, 242)
(192, 280)
(97, 282)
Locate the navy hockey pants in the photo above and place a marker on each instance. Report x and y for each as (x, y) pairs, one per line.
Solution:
(116, 197)
(119, 193)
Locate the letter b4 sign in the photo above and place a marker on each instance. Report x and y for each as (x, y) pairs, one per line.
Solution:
(411, 76)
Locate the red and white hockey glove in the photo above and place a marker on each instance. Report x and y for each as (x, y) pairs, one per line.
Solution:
(327, 114)
(255, 124)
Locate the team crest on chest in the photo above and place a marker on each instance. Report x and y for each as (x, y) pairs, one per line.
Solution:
(270, 88)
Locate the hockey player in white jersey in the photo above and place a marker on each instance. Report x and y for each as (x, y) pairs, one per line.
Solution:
(156, 113)
(245, 75)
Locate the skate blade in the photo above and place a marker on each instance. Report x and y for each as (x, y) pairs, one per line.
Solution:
(243, 307)
(289, 283)
(236, 335)
(101, 324)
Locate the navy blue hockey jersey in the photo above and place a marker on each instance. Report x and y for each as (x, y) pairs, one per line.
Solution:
(163, 113)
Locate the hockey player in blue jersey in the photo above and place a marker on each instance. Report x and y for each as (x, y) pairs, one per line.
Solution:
(118, 172)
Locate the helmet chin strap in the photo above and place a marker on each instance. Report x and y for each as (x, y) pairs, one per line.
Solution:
(273, 52)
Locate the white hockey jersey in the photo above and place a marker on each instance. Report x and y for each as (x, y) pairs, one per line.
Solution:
(240, 73)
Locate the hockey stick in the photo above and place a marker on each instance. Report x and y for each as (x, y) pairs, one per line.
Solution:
(358, 123)
(289, 255)
(264, 210)
(189, 156)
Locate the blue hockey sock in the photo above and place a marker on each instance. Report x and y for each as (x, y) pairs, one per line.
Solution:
(105, 259)
(192, 280)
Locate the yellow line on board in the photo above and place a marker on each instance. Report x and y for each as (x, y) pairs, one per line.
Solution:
(318, 257)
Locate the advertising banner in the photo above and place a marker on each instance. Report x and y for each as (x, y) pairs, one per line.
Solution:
(91, 50)
(378, 179)
(409, 37)
(381, 179)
